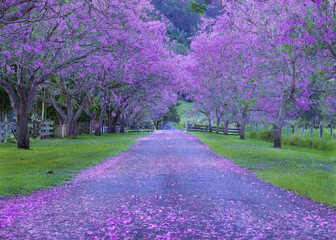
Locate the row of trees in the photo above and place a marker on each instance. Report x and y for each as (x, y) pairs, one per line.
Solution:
(84, 55)
(269, 60)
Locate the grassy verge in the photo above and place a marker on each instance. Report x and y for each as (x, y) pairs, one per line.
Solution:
(22, 171)
(325, 143)
(307, 171)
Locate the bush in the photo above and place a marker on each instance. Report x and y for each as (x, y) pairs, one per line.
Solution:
(182, 124)
(265, 135)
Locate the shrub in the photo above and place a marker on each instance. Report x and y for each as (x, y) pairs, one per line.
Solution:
(265, 135)
(182, 124)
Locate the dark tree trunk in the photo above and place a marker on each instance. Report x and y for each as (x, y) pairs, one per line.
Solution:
(210, 125)
(22, 101)
(115, 121)
(277, 136)
(71, 128)
(99, 125)
(242, 124)
(242, 131)
(280, 121)
(226, 128)
(22, 130)
(217, 129)
(2, 116)
(97, 128)
(109, 120)
(122, 124)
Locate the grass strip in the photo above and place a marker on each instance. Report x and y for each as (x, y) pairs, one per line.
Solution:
(54, 162)
(306, 171)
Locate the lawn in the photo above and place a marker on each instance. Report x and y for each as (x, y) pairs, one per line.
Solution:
(307, 171)
(25, 171)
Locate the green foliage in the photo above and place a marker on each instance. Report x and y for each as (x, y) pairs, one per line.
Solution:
(22, 171)
(185, 18)
(181, 125)
(172, 115)
(181, 108)
(197, 7)
(307, 171)
(5, 103)
(265, 135)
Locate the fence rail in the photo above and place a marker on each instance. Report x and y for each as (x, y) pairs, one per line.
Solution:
(5, 131)
(36, 129)
(45, 130)
(206, 128)
(140, 128)
(304, 130)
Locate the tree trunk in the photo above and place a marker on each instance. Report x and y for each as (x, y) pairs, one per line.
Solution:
(22, 101)
(281, 115)
(115, 121)
(100, 122)
(242, 131)
(2, 116)
(226, 128)
(210, 125)
(97, 128)
(22, 130)
(71, 128)
(109, 120)
(218, 122)
(277, 136)
(122, 124)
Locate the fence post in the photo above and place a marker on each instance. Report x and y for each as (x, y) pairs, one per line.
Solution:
(332, 131)
(311, 130)
(187, 126)
(206, 128)
(321, 131)
(303, 130)
(34, 130)
(288, 128)
(295, 128)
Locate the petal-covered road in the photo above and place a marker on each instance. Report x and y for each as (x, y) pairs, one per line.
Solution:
(170, 186)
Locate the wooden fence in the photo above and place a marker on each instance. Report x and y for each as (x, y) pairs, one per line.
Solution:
(295, 129)
(206, 128)
(5, 131)
(140, 128)
(36, 129)
(46, 130)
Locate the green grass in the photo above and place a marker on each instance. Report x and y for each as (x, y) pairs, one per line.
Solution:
(309, 172)
(185, 111)
(24, 171)
(325, 143)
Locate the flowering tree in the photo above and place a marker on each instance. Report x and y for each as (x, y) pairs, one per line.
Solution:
(263, 59)
(33, 51)
(41, 40)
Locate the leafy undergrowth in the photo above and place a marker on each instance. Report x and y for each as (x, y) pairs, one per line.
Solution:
(309, 172)
(54, 162)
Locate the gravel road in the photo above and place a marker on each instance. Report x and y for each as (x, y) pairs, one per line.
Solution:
(170, 186)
